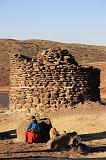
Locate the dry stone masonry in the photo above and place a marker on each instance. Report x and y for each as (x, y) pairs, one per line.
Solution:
(53, 79)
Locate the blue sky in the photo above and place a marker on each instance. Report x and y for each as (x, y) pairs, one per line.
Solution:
(73, 21)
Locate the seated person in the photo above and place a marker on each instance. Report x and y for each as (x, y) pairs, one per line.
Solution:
(34, 126)
(33, 132)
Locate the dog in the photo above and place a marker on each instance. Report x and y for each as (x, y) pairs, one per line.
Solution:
(53, 133)
(63, 141)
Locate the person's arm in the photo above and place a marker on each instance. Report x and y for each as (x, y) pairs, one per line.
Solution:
(38, 128)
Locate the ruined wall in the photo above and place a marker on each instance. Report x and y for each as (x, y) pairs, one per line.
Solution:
(53, 79)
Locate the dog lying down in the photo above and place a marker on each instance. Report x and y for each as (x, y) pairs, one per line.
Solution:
(62, 141)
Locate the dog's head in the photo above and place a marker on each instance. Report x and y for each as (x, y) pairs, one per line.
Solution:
(72, 134)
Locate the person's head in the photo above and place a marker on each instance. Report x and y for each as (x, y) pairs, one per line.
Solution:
(33, 117)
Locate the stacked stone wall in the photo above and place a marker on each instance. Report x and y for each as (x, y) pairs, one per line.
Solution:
(52, 80)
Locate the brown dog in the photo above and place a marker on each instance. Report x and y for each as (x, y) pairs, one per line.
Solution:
(53, 133)
(64, 141)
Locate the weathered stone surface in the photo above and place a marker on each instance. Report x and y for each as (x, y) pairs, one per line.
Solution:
(22, 127)
(54, 79)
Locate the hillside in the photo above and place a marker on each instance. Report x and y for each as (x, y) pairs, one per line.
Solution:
(84, 54)
(87, 119)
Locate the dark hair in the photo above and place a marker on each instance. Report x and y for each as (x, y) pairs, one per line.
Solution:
(33, 117)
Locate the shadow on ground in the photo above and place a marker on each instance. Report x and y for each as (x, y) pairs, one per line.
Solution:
(8, 134)
(52, 158)
(93, 136)
(84, 148)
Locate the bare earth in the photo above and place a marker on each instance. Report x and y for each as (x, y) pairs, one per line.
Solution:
(88, 120)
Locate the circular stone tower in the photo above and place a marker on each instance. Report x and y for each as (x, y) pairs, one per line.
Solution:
(51, 80)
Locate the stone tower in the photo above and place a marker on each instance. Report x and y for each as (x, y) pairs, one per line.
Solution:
(52, 79)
